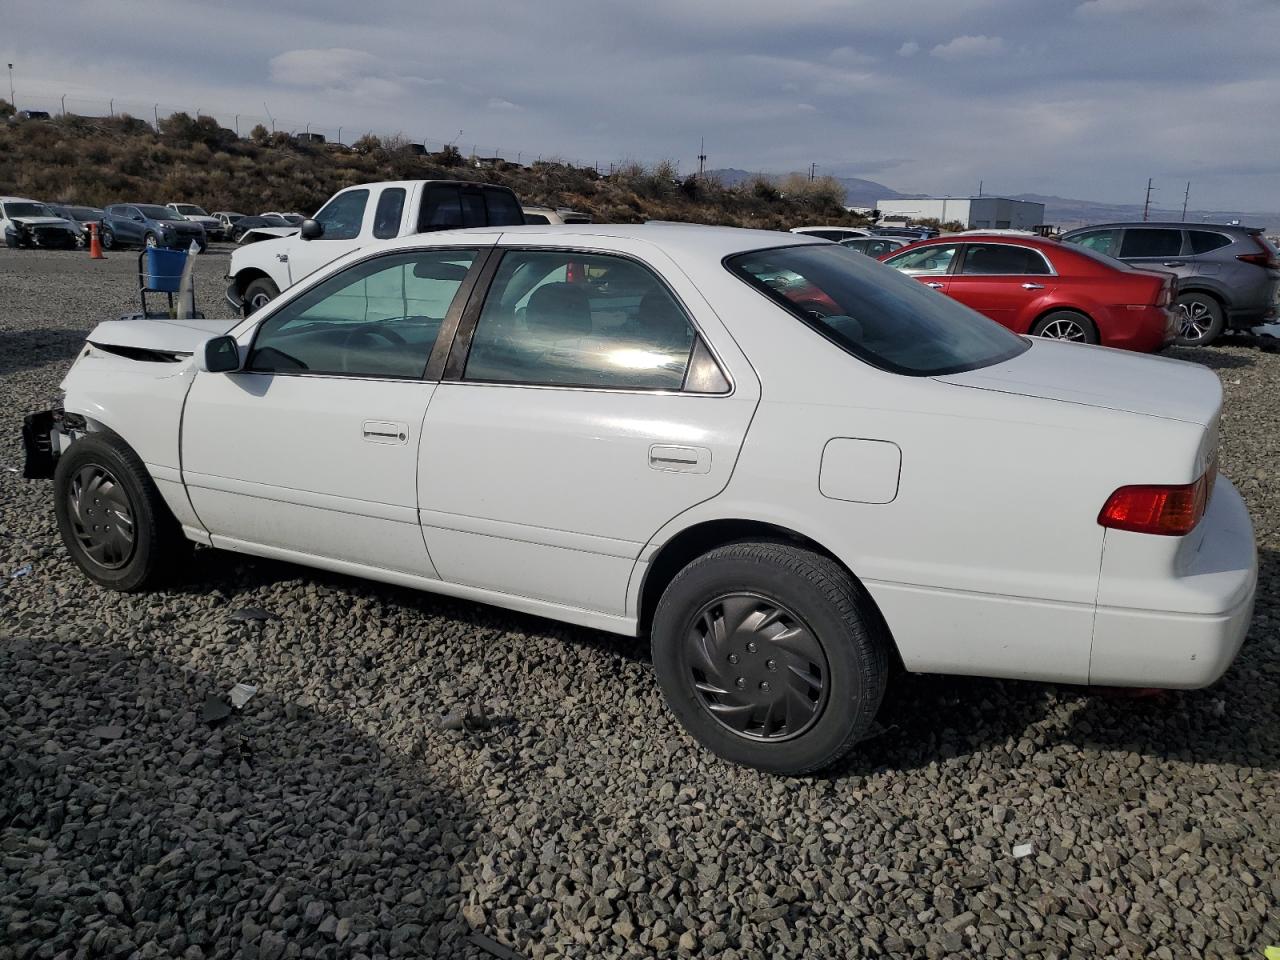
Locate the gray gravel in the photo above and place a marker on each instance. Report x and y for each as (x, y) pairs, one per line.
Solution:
(332, 818)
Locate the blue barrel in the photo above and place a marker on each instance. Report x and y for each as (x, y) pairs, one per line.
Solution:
(163, 269)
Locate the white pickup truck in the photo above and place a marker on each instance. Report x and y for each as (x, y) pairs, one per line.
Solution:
(357, 216)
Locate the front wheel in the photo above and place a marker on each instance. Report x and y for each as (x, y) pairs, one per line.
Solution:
(151, 240)
(258, 294)
(108, 240)
(1200, 320)
(112, 519)
(1066, 325)
(770, 655)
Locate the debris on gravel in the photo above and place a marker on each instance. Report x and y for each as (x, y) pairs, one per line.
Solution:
(330, 817)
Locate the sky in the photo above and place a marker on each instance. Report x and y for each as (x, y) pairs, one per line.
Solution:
(1074, 98)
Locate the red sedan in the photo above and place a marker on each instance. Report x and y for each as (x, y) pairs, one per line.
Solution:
(1047, 288)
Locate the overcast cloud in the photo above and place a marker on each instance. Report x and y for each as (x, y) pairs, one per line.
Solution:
(1079, 98)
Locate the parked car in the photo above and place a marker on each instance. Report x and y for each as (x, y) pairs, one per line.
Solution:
(212, 225)
(79, 217)
(874, 246)
(779, 504)
(270, 223)
(354, 218)
(227, 219)
(149, 225)
(32, 115)
(30, 223)
(908, 233)
(1047, 288)
(554, 215)
(1228, 275)
(832, 233)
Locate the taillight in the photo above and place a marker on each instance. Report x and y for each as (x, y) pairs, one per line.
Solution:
(1166, 294)
(1164, 510)
(1266, 257)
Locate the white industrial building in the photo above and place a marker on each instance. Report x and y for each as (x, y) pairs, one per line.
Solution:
(974, 212)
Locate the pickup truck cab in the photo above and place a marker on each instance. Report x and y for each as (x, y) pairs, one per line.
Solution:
(356, 217)
(212, 225)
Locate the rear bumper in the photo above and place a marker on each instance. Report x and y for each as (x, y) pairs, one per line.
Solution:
(1145, 329)
(1207, 608)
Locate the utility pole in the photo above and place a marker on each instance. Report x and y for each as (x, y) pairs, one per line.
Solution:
(339, 136)
(1185, 197)
(156, 110)
(269, 116)
(813, 172)
(112, 108)
(237, 126)
(979, 188)
(1146, 206)
(12, 98)
(702, 157)
(64, 104)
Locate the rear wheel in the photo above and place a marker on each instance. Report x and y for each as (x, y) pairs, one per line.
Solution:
(258, 294)
(769, 655)
(1066, 325)
(1201, 320)
(112, 519)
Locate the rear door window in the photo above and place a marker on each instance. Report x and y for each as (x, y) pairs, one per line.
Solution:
(1202, 241)
(1150, 242)
(343, 216)
(386, 218)
(929, 261)
(1002, 259)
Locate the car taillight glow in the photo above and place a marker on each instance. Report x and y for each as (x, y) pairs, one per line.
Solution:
(1167, 510)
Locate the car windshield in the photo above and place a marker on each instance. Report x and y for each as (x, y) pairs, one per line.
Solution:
(876, 313)
(190, 209)
(152, 212)
(27, 210)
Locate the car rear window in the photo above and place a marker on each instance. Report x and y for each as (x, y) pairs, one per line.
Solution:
(878, 315)
(502, 207)
(1202, 241)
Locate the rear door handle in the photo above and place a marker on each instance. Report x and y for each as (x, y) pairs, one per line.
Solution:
(385, 431)
(679, 459)
(1033, 286)
(935, 286)
(1175, 263)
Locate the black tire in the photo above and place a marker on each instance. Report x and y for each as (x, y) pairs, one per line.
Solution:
(1068, 325)
(800, 607)
(87, 506)
(108, 239)
(258, 294)
(1201, 320)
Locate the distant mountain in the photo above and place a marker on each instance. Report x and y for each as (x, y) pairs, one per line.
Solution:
(858, 193)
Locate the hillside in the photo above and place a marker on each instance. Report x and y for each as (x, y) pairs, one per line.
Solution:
(98, 161)
(857, 192)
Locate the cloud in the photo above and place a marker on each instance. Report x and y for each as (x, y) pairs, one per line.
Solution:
(909, 49)
(497, 103)
(806, 108)
(968, 46)
(328, 68)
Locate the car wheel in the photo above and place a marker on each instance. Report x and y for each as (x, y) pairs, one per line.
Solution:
(151, 240)
(112, 518)
(770, 656)
(258, 294)
(1066, 325)
(108, 239)
(1200, 320)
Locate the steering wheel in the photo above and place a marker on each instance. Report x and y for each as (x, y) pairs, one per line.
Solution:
(373, 329)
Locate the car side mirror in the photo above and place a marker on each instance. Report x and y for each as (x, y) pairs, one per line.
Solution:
(218, 355)
(311, 230)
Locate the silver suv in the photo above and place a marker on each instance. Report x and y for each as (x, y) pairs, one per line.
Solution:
(1228, 275)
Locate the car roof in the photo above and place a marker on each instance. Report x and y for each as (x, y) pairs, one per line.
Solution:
(1013, 239)
(1164, 224)
(19, 200)
(675, 238)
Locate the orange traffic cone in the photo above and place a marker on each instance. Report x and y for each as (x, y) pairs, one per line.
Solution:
(95, 247)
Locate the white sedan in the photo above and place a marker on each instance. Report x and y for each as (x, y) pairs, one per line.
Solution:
(785, 466)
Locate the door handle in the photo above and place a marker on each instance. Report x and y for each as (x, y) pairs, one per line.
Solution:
(1175, 263)
(679, 459)
(385, 431)
(935, 286)
(1033, 286)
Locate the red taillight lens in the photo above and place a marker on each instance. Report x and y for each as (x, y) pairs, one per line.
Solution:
(1266, 257)
(1168, 511)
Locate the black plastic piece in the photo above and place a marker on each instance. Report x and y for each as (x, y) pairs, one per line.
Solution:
(38, 444)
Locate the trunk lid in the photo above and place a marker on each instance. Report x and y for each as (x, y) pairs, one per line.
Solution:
(1103, 377)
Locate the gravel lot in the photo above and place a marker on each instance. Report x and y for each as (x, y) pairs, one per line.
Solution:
(332, 819)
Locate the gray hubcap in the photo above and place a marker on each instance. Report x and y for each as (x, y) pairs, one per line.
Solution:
(101, 517)
(152, 241)
(1064, 330)
(756, 667)
(1196, 319)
